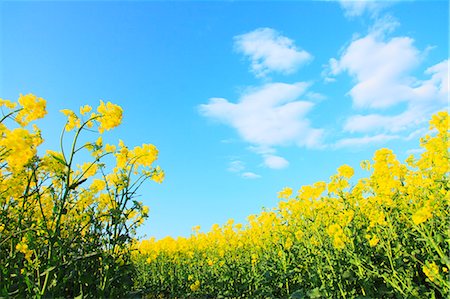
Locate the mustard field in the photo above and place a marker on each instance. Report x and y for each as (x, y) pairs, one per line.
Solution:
(68, 227)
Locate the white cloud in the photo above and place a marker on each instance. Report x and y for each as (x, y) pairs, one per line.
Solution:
(378, 122)
(227, 141)
(236, 166)
(364, 141)
(417, 133)
(315, 96)
(262, 149)
(269, 51)
(275, 162)
(268, 116)
(423, 98)
(250, 175)
(438, 83)
(355, 8)
(382, 69)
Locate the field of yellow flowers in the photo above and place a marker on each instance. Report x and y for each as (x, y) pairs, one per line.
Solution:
(68, 226)
(384, 236)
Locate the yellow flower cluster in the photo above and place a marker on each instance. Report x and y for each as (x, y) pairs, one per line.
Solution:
(23, 248)
(195, 286)
(110, 116)
(431, 270)
(337, 234)
(72, 120)
(19, 147)
(32, 108)
(422, 215)
(8, 104)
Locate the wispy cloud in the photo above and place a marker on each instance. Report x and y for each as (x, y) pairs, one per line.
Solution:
(390, 123)
(275, 162)
(354, 142)
(250, 175)
(356, 8)
(269, 51)
(236, 166)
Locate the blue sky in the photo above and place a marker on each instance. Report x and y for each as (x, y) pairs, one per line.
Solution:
(241, 98)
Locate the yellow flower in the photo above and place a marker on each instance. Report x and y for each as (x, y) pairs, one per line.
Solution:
(121, 155)
(299, 235)
(254, 258)
(195, 286)
(99, 141)
(431, 270)
(110, 116)
(336, 232)
(374, 241)
(32, 108)
(334, 229)
(285, 193)
(422, 215)
(288, 244)
(145, 155)
(7, 104)
(72, 119)
(145, 210)
(19, 145)
(346, 217)
(346, 171)
(23, 248)
(338, 242)
(97, 185)
(158, 175)
(89, 169)
(109, 148)
(85, 109)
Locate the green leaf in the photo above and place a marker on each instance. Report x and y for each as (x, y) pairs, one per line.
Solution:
(48, 270)
(58, 159)
(315, 293)
(299, 294)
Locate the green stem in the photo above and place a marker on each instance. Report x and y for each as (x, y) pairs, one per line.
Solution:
(430, 239)
(9, 114)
